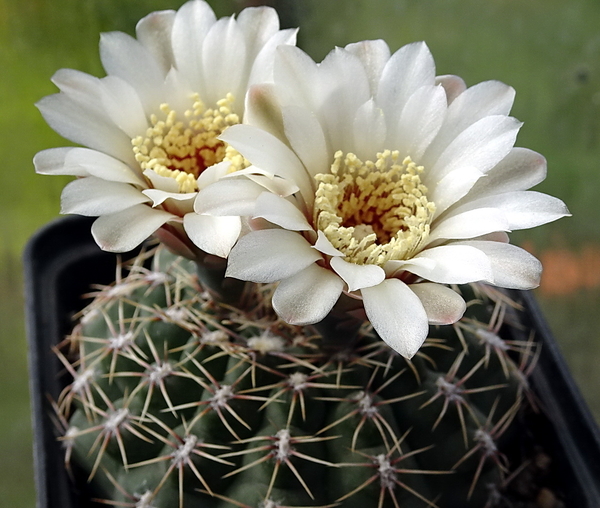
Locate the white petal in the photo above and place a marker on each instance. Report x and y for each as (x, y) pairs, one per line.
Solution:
(419, 121)
(297, 78)
(357, 276)
(224, 60)
(125, 230)
(154, 32)
(308, 296)
(454, 86)
(215, 235)
(521, 169)
(281, 212)
(123, 105)
(397, 315)
(81, 87)
(93, 197)
(158, 197)
(369, 132)
(270, 255)
(263, 65)
(522, 209)
(164, 183)
(52, 162)
(306, 137)
(454, 264)
(512, 267)
(258, 24)
(453, 187)
(127, 58)
(228, 197)
(443, 305)
(469, 224)
(408, 69)
(344, 88)
(103, 166)
(482, 146)
(263, 110)
(484, 99)
(373, 55)
(213, 174)
(324, 245)
(81, 124)
(84, 162)
(271, 183)
(192, 22)
(268, 153)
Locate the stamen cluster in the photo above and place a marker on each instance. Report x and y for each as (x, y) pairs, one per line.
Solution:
(373, 212)
(182, 150)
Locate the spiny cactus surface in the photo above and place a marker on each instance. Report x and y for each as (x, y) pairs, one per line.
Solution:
(180, 401)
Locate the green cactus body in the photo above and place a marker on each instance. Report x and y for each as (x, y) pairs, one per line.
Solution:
(178, 401)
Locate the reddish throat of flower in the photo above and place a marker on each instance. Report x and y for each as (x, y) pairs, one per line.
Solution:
(373, 211)
(181, 147)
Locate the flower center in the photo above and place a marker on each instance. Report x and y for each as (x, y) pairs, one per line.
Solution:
(373, 212)
(182, 148)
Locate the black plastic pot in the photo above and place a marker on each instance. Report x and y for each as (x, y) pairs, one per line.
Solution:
(62, 260)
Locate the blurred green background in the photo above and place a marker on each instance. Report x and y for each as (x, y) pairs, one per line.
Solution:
(549, 50)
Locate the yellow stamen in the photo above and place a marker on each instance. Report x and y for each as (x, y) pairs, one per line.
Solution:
(373, 212)
(182, 149)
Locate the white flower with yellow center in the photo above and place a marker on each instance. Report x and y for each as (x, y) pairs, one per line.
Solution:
(407, 183)
(152, 125)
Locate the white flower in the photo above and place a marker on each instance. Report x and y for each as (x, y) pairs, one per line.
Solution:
(152, 123)
(407, 182)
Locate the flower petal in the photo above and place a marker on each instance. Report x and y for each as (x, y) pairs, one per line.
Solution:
(192, 22)
(454, 264)
(215, 235)
(228, 196)
(454, 86)
(154, 32)
(522, 209)
(369, 132)
(306, 137)
(270, 255)
(262, 68)
(521, 169)
(482, 146)
(308, 296)
(268, 153)
(280, 212)
(469, 224)
(512, 267)
(373, 55)
(324, 245)
(158, 197)
(52, 162)
(397, 315)
(258, 25)
(125, 57)
(409, 68)
(443, 305)
(357, 276)
(79, 123)
(125, 230)
(123, 105)
(93, 196)
(419, 121)
(454, 186)
(224, 61)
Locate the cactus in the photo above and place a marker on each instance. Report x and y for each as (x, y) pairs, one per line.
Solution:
(178, 400)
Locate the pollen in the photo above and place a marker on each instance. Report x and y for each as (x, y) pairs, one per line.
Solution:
(182, 148)
(373, 212)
